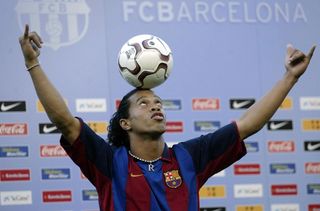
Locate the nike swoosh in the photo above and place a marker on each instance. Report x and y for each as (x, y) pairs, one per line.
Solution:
(236, 105)
(8, 107)
(312, 147)
(135, 175)
(275, 126)
(49, 129)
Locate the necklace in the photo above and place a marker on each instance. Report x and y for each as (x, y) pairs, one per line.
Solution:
(150, 165)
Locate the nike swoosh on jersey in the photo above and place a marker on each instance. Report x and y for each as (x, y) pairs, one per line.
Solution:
(47, 129)
(135, 175)
(8, 107)
(236, 105)
(312, 147)
(275, 126)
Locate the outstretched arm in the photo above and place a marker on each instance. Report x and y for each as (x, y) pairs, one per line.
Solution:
(50, 98)
(296, 63)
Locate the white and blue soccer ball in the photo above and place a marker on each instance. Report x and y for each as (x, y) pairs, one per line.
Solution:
(145, 61)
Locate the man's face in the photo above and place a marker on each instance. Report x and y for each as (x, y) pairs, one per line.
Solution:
(146, 115)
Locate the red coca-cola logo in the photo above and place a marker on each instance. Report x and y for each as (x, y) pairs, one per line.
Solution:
(312, 168)
(52, 151)
(205, 104)
(281, 146)
(9, 129)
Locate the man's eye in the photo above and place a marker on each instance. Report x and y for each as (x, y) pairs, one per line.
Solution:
(143, 103)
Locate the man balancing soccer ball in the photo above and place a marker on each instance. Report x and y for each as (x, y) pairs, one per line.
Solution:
(135, 169)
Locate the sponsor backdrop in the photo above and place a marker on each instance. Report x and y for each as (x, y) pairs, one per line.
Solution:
(227, 54)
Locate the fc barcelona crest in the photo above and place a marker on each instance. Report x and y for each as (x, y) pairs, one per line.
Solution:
(172, 178)
(59, 22)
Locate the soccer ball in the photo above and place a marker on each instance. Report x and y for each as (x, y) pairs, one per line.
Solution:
(145, 61)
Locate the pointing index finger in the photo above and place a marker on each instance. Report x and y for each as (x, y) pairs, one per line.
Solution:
(310, 54)
(26, 31)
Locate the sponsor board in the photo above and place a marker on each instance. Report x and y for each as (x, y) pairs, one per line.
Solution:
(274, 125)
(91, 105)
(171, 104)
(310, 103)
(312, 168)
(246, 169)
(202, 104)
(218, 191)
(248, 190)
(174, 127)
(313, 207)
(257, 207)
(55, 173)
(12, 106)
(23, 197)
(98, 127)
(284, 189)
(238, 103)
(13, 129)
(52, 151)
(313, 189)
(14, 151)
(48, 128)
(206, 126)
(252, 146)
(311, 146)
(282, 168)
(56, 196)
(14, 175)
(311, 124)
(89, 195)
(281, 146)
(285, 207)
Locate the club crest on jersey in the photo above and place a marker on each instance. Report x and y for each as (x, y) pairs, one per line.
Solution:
(59, 22)
(172, 178)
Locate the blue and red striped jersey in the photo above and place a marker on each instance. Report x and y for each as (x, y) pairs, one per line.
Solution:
(125, 183)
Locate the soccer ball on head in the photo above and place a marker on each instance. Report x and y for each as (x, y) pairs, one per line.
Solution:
(145, 61)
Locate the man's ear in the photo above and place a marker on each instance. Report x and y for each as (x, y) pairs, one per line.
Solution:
(125, 124)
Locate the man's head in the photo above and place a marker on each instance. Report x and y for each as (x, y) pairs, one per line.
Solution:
(140, 112)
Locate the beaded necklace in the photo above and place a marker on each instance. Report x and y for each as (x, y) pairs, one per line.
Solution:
(150, 165)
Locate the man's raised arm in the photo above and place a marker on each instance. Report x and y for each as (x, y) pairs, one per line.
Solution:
(296, 63)
(50, 98)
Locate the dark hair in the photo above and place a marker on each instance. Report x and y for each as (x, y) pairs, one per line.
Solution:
(117, 136)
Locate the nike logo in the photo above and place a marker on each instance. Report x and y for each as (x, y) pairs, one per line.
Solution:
(5, 107)
(237, 104)
(47, 129)
(135, 175)
(276, 126)
(312, 147)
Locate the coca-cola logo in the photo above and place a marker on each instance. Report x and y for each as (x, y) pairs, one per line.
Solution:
(9, 129)
(205, 104)
(52, 151)
(281, 146)
(312, 168)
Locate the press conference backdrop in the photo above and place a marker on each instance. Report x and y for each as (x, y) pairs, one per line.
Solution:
(227, 55)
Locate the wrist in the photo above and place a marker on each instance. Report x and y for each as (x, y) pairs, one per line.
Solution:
(291, 78)
(31, 63)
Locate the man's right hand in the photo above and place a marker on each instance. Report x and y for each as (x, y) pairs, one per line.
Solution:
(30, 44)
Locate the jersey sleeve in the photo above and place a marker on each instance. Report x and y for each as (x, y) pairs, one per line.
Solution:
(215, 151)
(91, 153)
